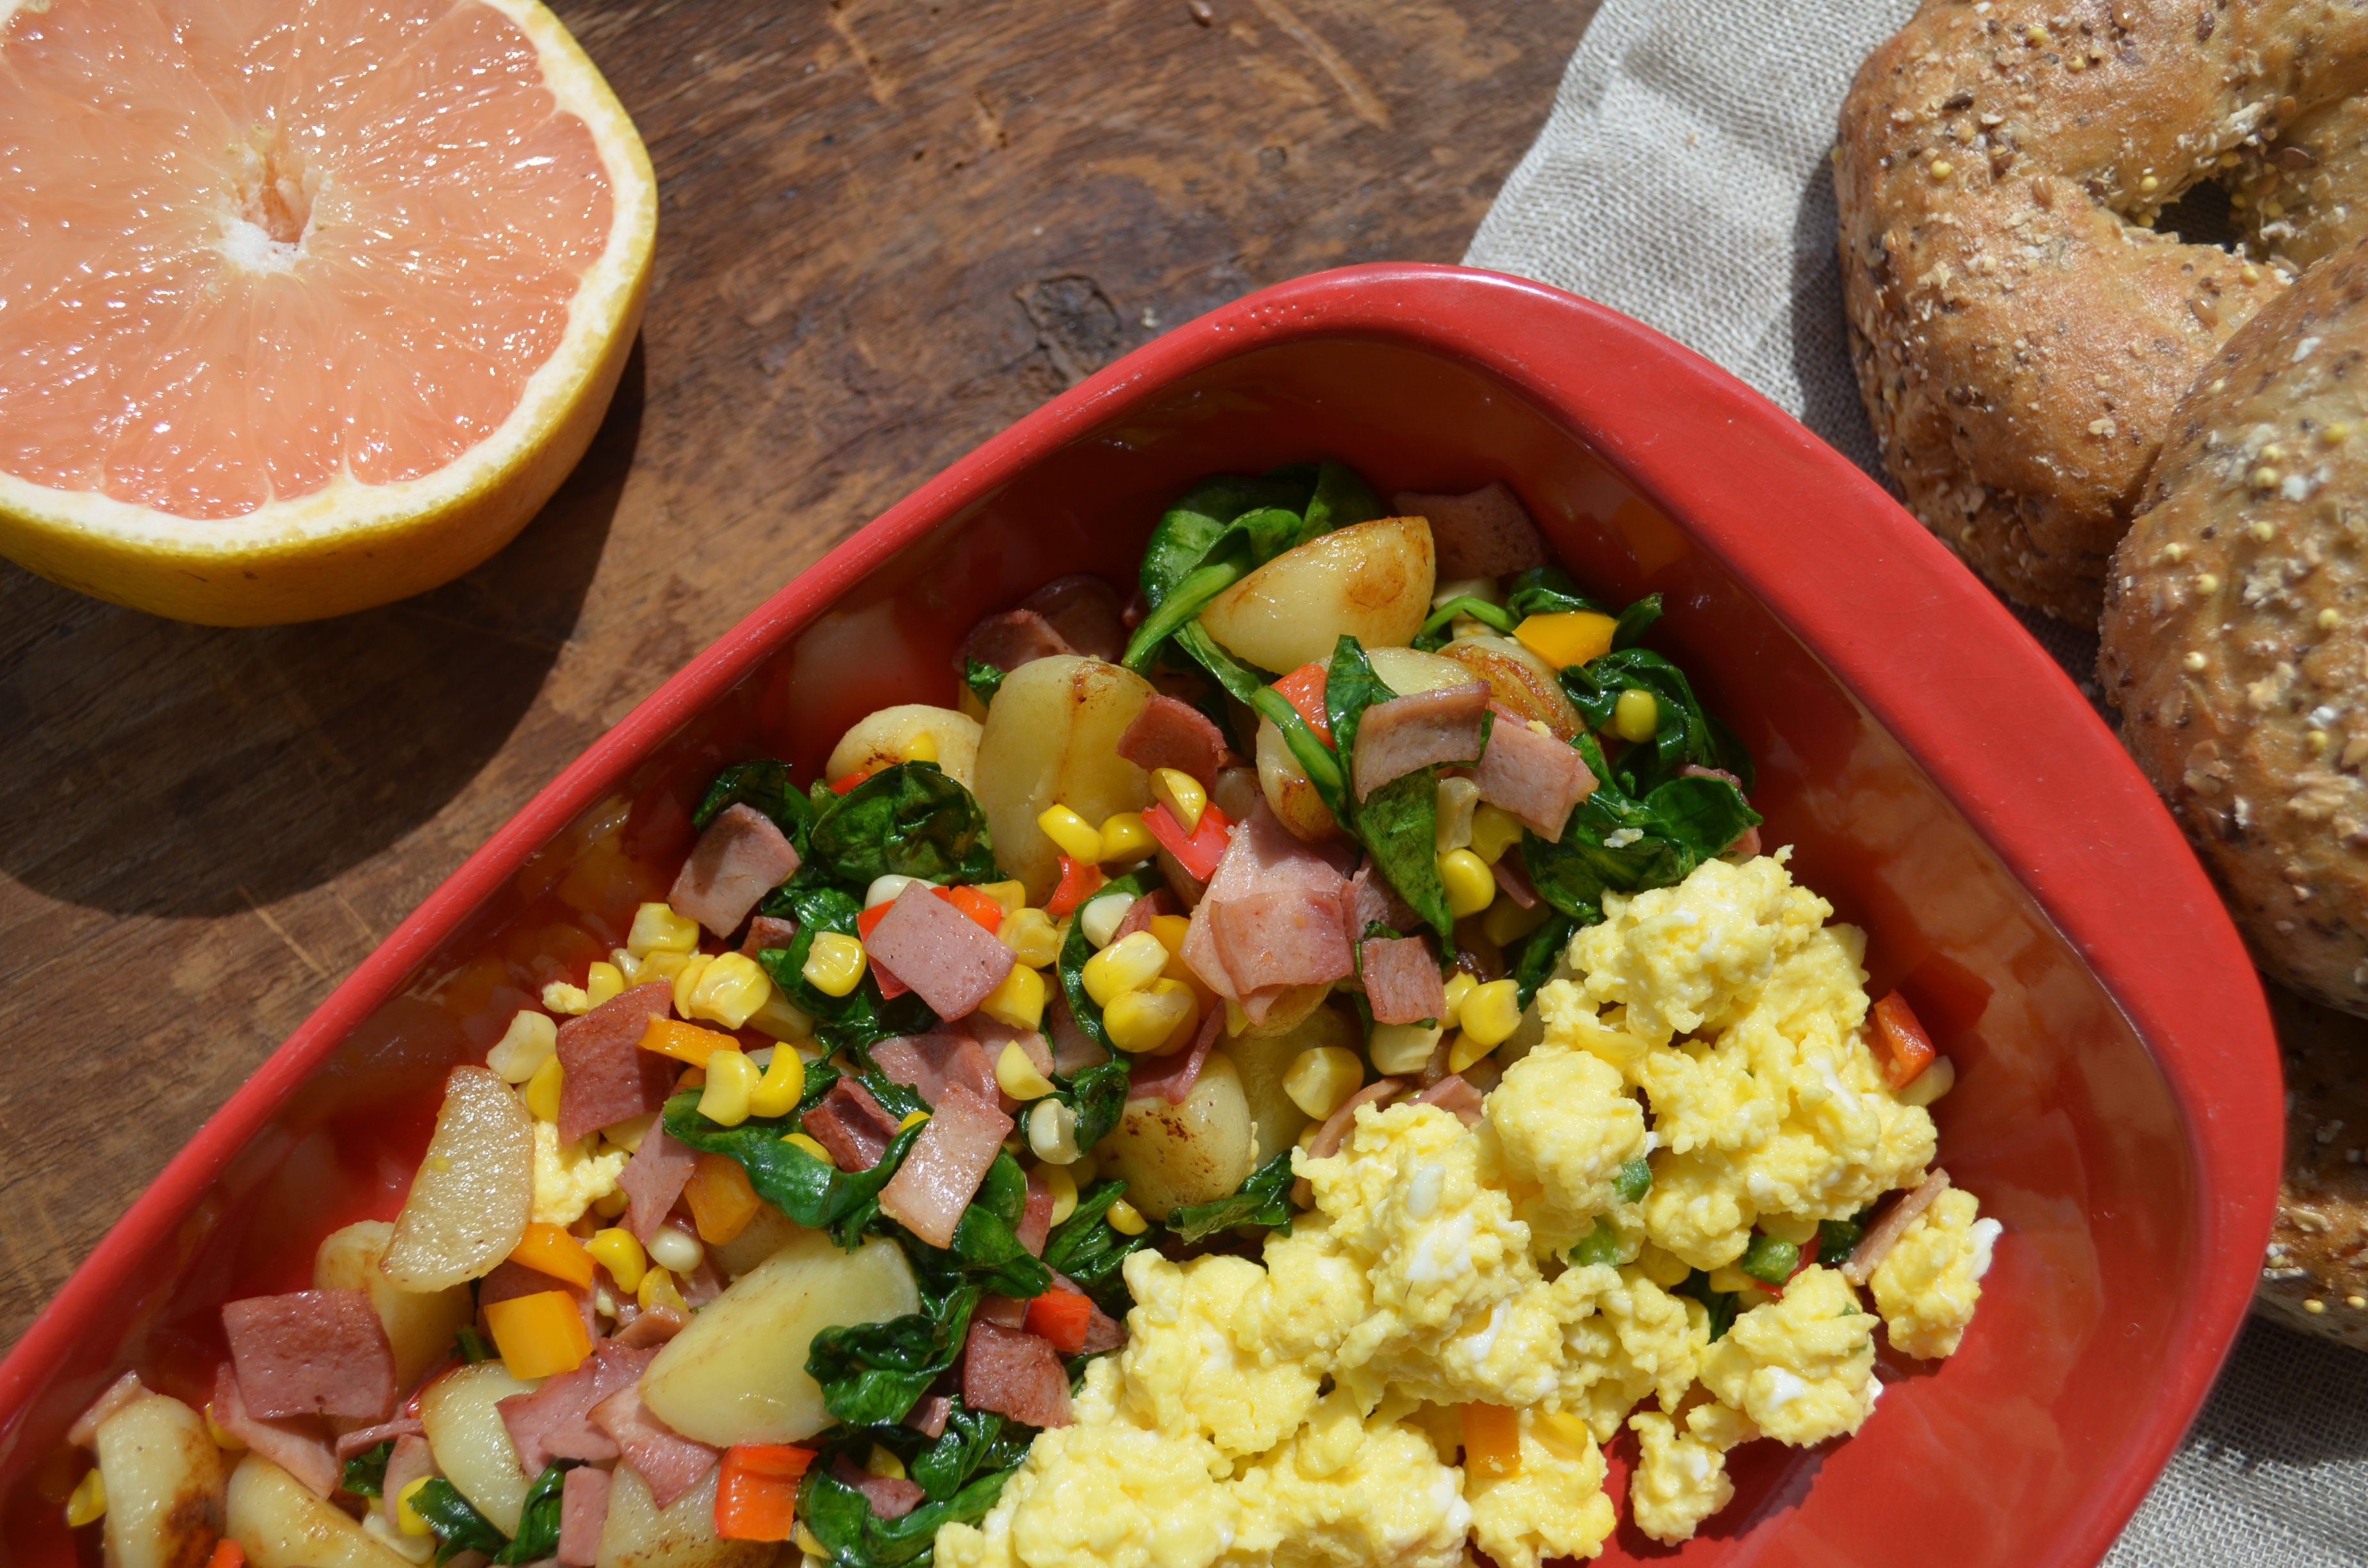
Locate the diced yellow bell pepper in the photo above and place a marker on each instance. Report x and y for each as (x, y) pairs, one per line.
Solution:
(1492, 1441)
(1567, 637)
(685, 1042)
(539, 1336)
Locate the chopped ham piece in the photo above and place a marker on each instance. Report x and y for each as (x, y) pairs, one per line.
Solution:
(1747, 843)
(368, 1438)
(312, 1353)
(1514, 880)
(767, 931)
(654, 1178)
(928, 1415)
(84, 1433)
(1015, 1373)
(1073, 1050)
(1396, 737)
(1274, 939)
(1885, 1233)
(949, 1160)
(651, 1327)
(993, 1035)
(299, 1445)
(1336, 1128)
(1171, 1078)
(1484, 534)
(890, 1497)
(1085, 612)
(1169, 734)
(1452, 1094)
(1264, 858)
(741, 856)
(605, 1075)
(1401, 980)
(554, 1421)
(509, 1281)
(408, 1462)
(952, 961)
(1036, 1223)
(1143, 911)
(1536, 777)
(1373, 901)
(702, 1284)
(1007, 641)
(853, 1126)
(583, 1515)
(926, 1063)
(670, 1462)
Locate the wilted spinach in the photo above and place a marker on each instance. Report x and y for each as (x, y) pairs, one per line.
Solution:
(1089, 1251)
(1618, 844)
(863, 1015)
(985, 1247)
(762, 784)
(984, 680)
(1097, 1094)
(1532, 963)
(810, 1191)
(910, 820)
(1720, 1303)
(364, 1473)
(854, 1537)
(1263, 1199)
(872, 1373)
(1684, 734)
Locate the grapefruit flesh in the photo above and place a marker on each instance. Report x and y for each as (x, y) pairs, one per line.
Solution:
(275, 271)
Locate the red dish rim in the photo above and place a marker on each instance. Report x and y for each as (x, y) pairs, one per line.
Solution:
(2014, 748)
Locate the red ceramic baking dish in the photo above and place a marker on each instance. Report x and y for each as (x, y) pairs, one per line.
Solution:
(1941, 780)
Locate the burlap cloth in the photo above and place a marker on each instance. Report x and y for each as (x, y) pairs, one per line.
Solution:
(1684, 179)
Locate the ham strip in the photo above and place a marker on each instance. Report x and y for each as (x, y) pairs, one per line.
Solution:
(1172, 734)
(1401, 980)
(1036, 1221)
(890, 1497)
(312, 1353)
(409, 1462)
(650, 1327)
(1885, 1233)
(84, 1433)
(954, 961)
(670, 1462)
(1746, 844)
(1007, 641)
(927, 1063)
(1454, 1094)
(1335, 1128)
(853, 1126)
(298, 1446)
(1263, 857)
(767, 931)
(949, 1160)
(928, 1415)
(583, 1515)
(605, 1075)
(554, 1421)
(1514, 880)
(1143, 911)
(1373, 902)
(368, 1438)
(1015, 1373)
(1085, 612)
(654, 1178)
(741, 856)
(1484, 534)
(1535, 778)
(1267, 940)
(1171, 1078)
(1406, 733)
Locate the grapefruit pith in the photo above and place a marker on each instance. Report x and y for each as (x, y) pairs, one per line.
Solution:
(305, 305)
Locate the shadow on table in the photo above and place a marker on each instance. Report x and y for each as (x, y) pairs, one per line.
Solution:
(153, 767)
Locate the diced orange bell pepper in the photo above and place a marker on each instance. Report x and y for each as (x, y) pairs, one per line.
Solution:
(228, 1553)
(979, 906)
(843, 786)
(1199, 851)
(549, 1249)
(539, 1336)
(1079, 883)
(1062, 1317)
(1492, 1440)
(757, 1490)
(780, 1461)
(1906, 1049)
(721, 1201)
(1303, 689)
(685, 1042)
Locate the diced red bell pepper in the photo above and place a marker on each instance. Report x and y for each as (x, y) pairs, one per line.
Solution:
(1303, 689)
(978, 904)
(1062, 1317)
(1907, 1048)
(1079, 883)
(1197, 852)
(843, 786)
(757, 1490)
(889, 987)
(228, 1553)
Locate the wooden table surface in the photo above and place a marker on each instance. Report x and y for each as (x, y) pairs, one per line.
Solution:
(887, 230)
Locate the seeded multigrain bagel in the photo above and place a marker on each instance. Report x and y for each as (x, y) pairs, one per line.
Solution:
(2021, 333)
(2235, 630)
(2316, 1276)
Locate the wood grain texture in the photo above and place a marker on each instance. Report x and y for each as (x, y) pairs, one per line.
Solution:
(887, 230)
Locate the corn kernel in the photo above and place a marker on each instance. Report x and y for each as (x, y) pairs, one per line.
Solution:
(1128, 964)
(1031, 935)
(675, 1249)
(1074, 834)
(685, 980)
(1320, 1079)
(604, 982)
(1018, 1001)
(1124, 837)
(1471, 886)
(1493, 831)
(1491, 1013)
(1148, 1021)
(526, 1045)
(408, 1518)
(562, 997)
(1099, 916)
(833, 964)
(1052, 1139)
(1401, 1048)
(781, 1019)
(922, 747)
(880, 1462)
(1182, 794)
(658, 929)
(1565, 1434)
(783, 1085)
(1457, 800)
(543, 1090)
(1017, 1076)
(912, 1119)
(664, 965)
(1466, 1050)
(1507, 922)
(732, 1078)
(1636, 717)
(885, 887)
(729, 989)
(811, 1146)
(1567, 637)
(658, 1289)
(223, 1438)
(1460, 985)
(1125, 1220)
(89, 1504)
(1063, 1186)
(620, 1251)
(612, 1205)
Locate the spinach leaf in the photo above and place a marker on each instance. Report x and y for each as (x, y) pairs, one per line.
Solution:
(984, 680)
(863, 1015)
(909, 820)
(1398, 825)
(538, 1533)
(1618, 844)
(1084, 1247)
(872, 1373)
(1241, 682)
(1684, 733)
(1098, 1094)
(1247, 543)
(1349, 688)
(1263, 1199)
(1720, 1303)
(365, 1474)
(1533, 962)
(457, 1524)
(808, 1190)
(1635, 621)
(764, 785)
(1318, 761)
(1546, 590)
(470, 1346)
(984, 1242)
(854, 1537)
(975, 1442)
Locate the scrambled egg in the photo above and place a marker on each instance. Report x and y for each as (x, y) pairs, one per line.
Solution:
(569, 1177)
(1310, 1410)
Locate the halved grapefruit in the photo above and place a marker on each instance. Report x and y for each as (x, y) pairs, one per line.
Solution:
(305, 305)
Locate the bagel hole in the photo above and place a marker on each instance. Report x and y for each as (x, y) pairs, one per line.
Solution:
(2201, 216)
